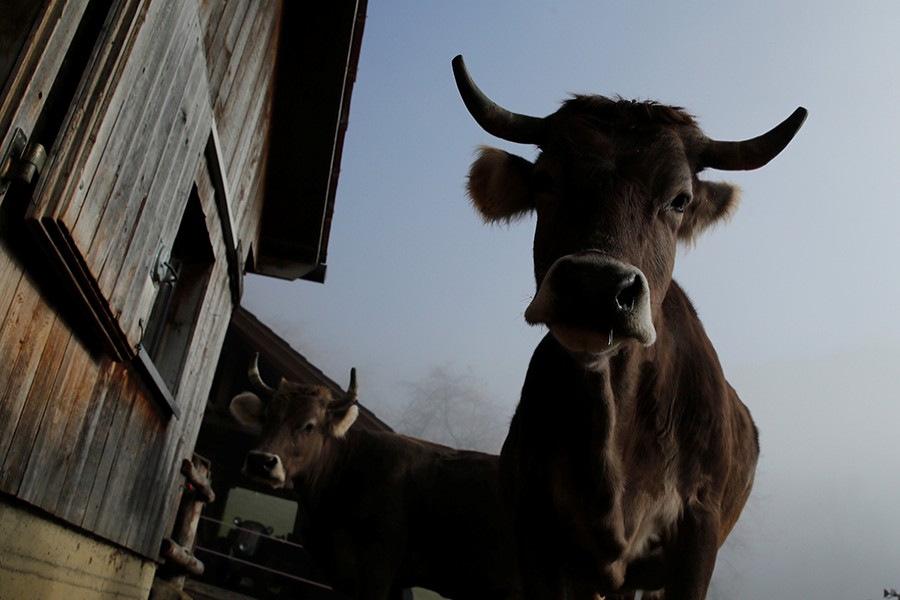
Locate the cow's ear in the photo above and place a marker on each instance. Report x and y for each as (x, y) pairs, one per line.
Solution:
(714, 201)
(342, 419)
(499, 185)
(248, 409)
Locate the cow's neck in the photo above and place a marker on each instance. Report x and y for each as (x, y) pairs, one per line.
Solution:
(327, 471)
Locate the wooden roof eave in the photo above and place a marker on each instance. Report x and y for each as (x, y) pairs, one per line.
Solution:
(315, 72)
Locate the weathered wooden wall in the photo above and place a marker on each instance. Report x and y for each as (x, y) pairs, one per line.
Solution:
(81, 435)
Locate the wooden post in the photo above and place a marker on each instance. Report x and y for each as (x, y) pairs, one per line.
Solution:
(178, 551)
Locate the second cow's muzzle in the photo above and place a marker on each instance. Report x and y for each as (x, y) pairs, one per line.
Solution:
(265, 467)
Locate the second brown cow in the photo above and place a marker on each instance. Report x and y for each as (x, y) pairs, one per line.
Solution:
(384, 511)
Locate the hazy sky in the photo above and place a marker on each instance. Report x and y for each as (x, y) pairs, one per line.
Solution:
(800, 292)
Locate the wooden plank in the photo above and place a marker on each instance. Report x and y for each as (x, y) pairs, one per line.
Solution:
(223, 208)
(133, 287)
(115, 193)
(75, 488)
(150, 484)
(210, 12)
(122, 396)
(215, 41)
(22, 98)
(246, 37)
(78, 384)
(24, 380)
(248, 213)
(233, 114)
(252, 137)
(120, 503)
(15, 374)
(10, 277)
(40, 447)
(252, 100)
(62, 188)
(150, 232)
(228, 30)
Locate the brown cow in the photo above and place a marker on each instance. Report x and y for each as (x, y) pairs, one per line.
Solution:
(383, 511)
(630, 457)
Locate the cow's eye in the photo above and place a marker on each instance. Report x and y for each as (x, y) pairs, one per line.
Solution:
(306, 429)
(680, 202)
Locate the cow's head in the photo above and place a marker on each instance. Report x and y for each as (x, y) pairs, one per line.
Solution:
(614, 188)
(296, 422)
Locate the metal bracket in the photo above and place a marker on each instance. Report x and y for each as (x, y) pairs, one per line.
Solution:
(163, 271)
(22, 161)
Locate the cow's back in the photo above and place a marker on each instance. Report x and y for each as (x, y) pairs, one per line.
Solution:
(431, 513)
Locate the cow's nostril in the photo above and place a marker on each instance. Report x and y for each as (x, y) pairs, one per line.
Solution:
(270, 463)
(630, 290)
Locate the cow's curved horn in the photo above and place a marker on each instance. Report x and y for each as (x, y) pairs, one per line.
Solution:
(256, 379)
(350, 396)
(492, 117)
(753, 153)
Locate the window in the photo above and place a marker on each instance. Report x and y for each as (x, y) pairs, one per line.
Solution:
(181, 277)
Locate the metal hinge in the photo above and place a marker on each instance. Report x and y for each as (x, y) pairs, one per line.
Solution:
(22, 161)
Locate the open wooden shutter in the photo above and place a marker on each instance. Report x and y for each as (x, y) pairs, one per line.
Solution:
(119, 176)
(34, 40)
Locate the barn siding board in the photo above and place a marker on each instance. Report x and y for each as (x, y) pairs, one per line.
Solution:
(245, 177)
(71, 161)
(245, 37)
(10, 278)
(121, 502)
(242, 105)
(18, 353)
(79, 384)
(122, 402)
(134, 288)
(251, 100)
(23, 94)
(160, 143)
(125, 149)
(37, 356)
(59, 372)
(130, 155)
(210, 15)
(152, 184)
(164, 203)
(226, 35)
(79, 481)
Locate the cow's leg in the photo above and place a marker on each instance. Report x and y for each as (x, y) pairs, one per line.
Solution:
(694, 555)
(540, 577)
(375, 584)
(540, 571)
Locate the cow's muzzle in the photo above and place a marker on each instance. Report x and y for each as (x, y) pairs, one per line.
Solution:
(265, 467)
(591, 302)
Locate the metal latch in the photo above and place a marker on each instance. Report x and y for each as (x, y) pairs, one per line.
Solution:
(21, 161)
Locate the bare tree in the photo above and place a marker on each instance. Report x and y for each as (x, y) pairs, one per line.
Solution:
(450, 407)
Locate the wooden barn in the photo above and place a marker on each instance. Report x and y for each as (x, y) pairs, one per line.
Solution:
(151, 153)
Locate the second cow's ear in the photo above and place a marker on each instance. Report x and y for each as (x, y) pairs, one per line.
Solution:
(342, 419)
(248, 410)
